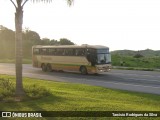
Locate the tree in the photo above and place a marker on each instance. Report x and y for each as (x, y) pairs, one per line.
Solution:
(138, 55)
(64, 41)
(54, 42)
(30, 38)
(7, 41)
(19, 4)
(45, 41)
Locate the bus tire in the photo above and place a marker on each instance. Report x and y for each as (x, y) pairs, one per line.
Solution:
(49, 68)
(83, 70)
(44, 68)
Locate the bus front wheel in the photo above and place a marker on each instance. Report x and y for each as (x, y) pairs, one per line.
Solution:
(83, 70)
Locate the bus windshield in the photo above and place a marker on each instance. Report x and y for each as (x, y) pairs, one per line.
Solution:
(99, 56)
(103, 56)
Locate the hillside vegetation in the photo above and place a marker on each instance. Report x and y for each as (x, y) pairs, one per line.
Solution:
(144, 58)
(30, 38)
(145, 53)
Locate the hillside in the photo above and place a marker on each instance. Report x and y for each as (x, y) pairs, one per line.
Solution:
(143, 58)
(146, 53)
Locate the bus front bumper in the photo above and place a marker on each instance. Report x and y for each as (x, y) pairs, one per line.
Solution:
(103, 68)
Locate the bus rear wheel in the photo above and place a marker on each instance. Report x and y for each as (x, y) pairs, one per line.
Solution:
(49, 68)
(83, 70)
(44, 68)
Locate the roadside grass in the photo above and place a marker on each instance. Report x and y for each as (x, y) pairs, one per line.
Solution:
(135, 68)
(25, 61)
(80, 97)
(148, 63)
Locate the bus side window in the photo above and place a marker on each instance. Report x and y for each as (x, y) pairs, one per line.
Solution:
(60, 52)
(40, 51)
(80, 52)
(66, 52)
(83, 52)
(35, 51)
(69, 52)
(74, 52)
(91, 51)
(43, 51)
(51, 51)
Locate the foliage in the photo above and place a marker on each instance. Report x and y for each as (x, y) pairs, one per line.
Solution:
(130, 61)
(145, 53)
(64, 41)
(138, 56)
(7, 41)
(7, 88)
(30, 38)
(147, 59)
(33, 91)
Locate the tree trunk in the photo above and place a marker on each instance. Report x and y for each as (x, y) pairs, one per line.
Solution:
(18, 51)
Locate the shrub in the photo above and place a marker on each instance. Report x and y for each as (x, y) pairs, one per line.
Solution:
(35, 91)
(138, 56)
(7, 91)
(6, 88)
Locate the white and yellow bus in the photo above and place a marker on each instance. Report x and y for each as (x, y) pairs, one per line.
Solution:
(84, 58)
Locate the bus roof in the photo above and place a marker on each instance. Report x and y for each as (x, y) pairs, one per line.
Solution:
(70, 46)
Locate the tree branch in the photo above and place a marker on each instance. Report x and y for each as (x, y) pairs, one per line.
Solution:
(24, 3)
(13, 4)
(70, 2)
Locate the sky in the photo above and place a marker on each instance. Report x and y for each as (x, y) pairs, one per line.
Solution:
(118, 24)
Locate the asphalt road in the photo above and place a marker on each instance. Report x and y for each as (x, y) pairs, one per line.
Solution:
(140, 81)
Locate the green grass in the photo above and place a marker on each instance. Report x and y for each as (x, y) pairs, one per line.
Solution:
(130, 61)
(79, 97)
(25, 61)
(33, 91)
